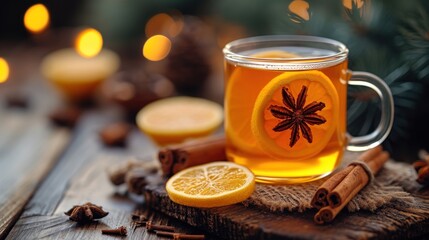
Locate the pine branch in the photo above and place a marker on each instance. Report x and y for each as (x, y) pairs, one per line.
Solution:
(414, 40)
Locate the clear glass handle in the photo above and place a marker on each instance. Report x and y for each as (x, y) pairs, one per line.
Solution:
(375, 138)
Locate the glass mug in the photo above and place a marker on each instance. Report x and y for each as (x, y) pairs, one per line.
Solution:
(285, 106)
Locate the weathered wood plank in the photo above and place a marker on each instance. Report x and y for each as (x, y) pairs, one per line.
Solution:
(393, 221)
(79, 177)
(12, 125)
(84, 148)
(59, 227)
(26, 156)
(90, 184)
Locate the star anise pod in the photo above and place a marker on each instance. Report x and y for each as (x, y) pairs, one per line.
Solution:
(297, 116)
(86, 213)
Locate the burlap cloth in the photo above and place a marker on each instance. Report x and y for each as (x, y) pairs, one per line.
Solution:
(390, 184)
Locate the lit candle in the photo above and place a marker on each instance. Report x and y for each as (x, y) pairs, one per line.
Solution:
(36, 18)
(78, 72)
(4, 70)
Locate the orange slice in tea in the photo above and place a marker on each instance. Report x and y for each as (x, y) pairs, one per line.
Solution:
(240, 97)
(238, 108)
(294, 115)
(211, 185)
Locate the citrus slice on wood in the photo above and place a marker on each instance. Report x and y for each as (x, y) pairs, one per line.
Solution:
(295, 114)
(211, 185)
(172, 120)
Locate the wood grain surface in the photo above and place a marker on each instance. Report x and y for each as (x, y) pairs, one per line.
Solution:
(29, 148)
(392, 221)
(80, 176)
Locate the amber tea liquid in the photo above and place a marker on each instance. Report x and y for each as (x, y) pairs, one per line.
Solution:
(243, 84)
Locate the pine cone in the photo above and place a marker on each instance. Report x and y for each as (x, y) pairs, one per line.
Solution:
(187, 65)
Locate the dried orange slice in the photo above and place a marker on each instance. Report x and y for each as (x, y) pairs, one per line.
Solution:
(175, 119)
(295, 114)
(211, 185)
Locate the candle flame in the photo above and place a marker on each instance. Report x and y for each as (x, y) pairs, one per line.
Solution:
(89, 43)
(156, 48)
(36, 18)
(4, 70)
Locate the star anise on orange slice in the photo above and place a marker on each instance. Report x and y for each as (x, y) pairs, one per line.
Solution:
(293, 104)
(296, 115)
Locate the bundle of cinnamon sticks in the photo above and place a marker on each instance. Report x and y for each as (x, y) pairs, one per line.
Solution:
(334, 194)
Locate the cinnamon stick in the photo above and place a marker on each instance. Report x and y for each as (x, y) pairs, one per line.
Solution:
(356, 180)
(348, 188)
(326, 214)
(320, 199)
(176, 158)
(332, 196)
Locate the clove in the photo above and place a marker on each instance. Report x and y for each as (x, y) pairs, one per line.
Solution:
(152, 227)
(120, 231)
(179, 236)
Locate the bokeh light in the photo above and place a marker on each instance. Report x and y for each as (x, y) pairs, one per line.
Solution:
(4, 70)
(89, 42)
(300, 8)
(156, 48)
(164, 24)
(36, 18)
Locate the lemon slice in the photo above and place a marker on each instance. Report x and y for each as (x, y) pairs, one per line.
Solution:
(172, 120)
(296, 114)
(211, 185)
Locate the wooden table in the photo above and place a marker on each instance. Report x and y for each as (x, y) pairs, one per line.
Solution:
(45, 170)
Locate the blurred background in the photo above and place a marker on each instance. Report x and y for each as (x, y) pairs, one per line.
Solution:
(175, 48)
